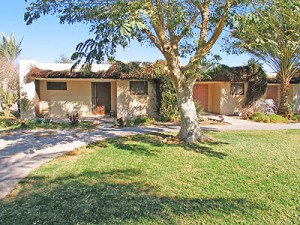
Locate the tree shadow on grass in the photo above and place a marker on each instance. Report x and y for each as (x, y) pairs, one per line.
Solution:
(207, 149)
(109, 197)
(150, 144)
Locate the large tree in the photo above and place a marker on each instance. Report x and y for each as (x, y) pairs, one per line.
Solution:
(177, 28)
(271, 32)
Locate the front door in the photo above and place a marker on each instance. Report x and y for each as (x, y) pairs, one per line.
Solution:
(101, 96)
(200, 94)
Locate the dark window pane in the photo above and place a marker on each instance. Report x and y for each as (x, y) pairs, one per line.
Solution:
(138, 87)
(56, 85)
(237, 89)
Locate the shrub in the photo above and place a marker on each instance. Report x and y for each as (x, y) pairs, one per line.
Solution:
(4, 123)
(271, 118)
(295, 117)
(168, 107)
(260, 117)
(274, 118)
(199, 110)
(139, 120)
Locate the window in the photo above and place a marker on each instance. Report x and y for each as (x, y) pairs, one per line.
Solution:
(237, 89)
(56, 85)
(138, 87)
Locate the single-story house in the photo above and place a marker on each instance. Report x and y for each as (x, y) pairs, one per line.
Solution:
(226, 95)
(51, 89)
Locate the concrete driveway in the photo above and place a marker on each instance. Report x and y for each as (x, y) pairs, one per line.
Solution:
(22, 151)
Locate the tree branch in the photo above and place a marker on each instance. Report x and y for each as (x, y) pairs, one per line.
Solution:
(183, 32)
(203, 48)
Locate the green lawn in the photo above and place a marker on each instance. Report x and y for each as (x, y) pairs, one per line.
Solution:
(15, 124)
(240, 178)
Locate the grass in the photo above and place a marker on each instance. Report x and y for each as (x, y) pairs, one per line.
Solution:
(240, 178)
(14, 124)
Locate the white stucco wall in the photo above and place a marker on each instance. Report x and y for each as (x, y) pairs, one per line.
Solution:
(27, 90)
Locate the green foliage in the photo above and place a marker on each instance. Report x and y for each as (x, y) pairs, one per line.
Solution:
(271, 33)
(139, 120)
(274, 118)
(42, 124)
(168, 106)
(199, 110)
(257, 83)
(9, 48)
(116, 23)
(260, 117)
(271, 118)
(25, 103)
(295, 117)
(7, 123)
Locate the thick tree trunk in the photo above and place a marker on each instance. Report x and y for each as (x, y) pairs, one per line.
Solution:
(284, 107)
(190, 129)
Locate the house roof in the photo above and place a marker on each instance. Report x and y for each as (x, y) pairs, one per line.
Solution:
(116, 71)
(143, 71)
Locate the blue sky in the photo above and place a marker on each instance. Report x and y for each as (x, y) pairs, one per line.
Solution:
(46, 39)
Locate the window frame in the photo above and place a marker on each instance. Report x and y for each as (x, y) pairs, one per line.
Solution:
(135, 92)
(51, 86)
(237, 88)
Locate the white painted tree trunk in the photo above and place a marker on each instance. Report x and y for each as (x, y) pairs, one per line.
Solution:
(190, 129)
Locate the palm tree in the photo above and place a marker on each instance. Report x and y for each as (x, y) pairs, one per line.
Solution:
(9, 48)
(272, 35)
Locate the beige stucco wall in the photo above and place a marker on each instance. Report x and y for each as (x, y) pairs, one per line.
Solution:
(60, 104)
(114, 96)
(231, 104)
(135, 105)
(293, 91)
(214, 92)
(77, 98)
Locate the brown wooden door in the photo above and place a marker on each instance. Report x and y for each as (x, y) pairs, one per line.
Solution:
(101, 93)
(200, 94)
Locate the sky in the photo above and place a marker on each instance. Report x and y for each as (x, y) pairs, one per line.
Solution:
(46, 39)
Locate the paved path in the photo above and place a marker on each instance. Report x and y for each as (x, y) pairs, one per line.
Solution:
(22, 151)
(240, 124)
